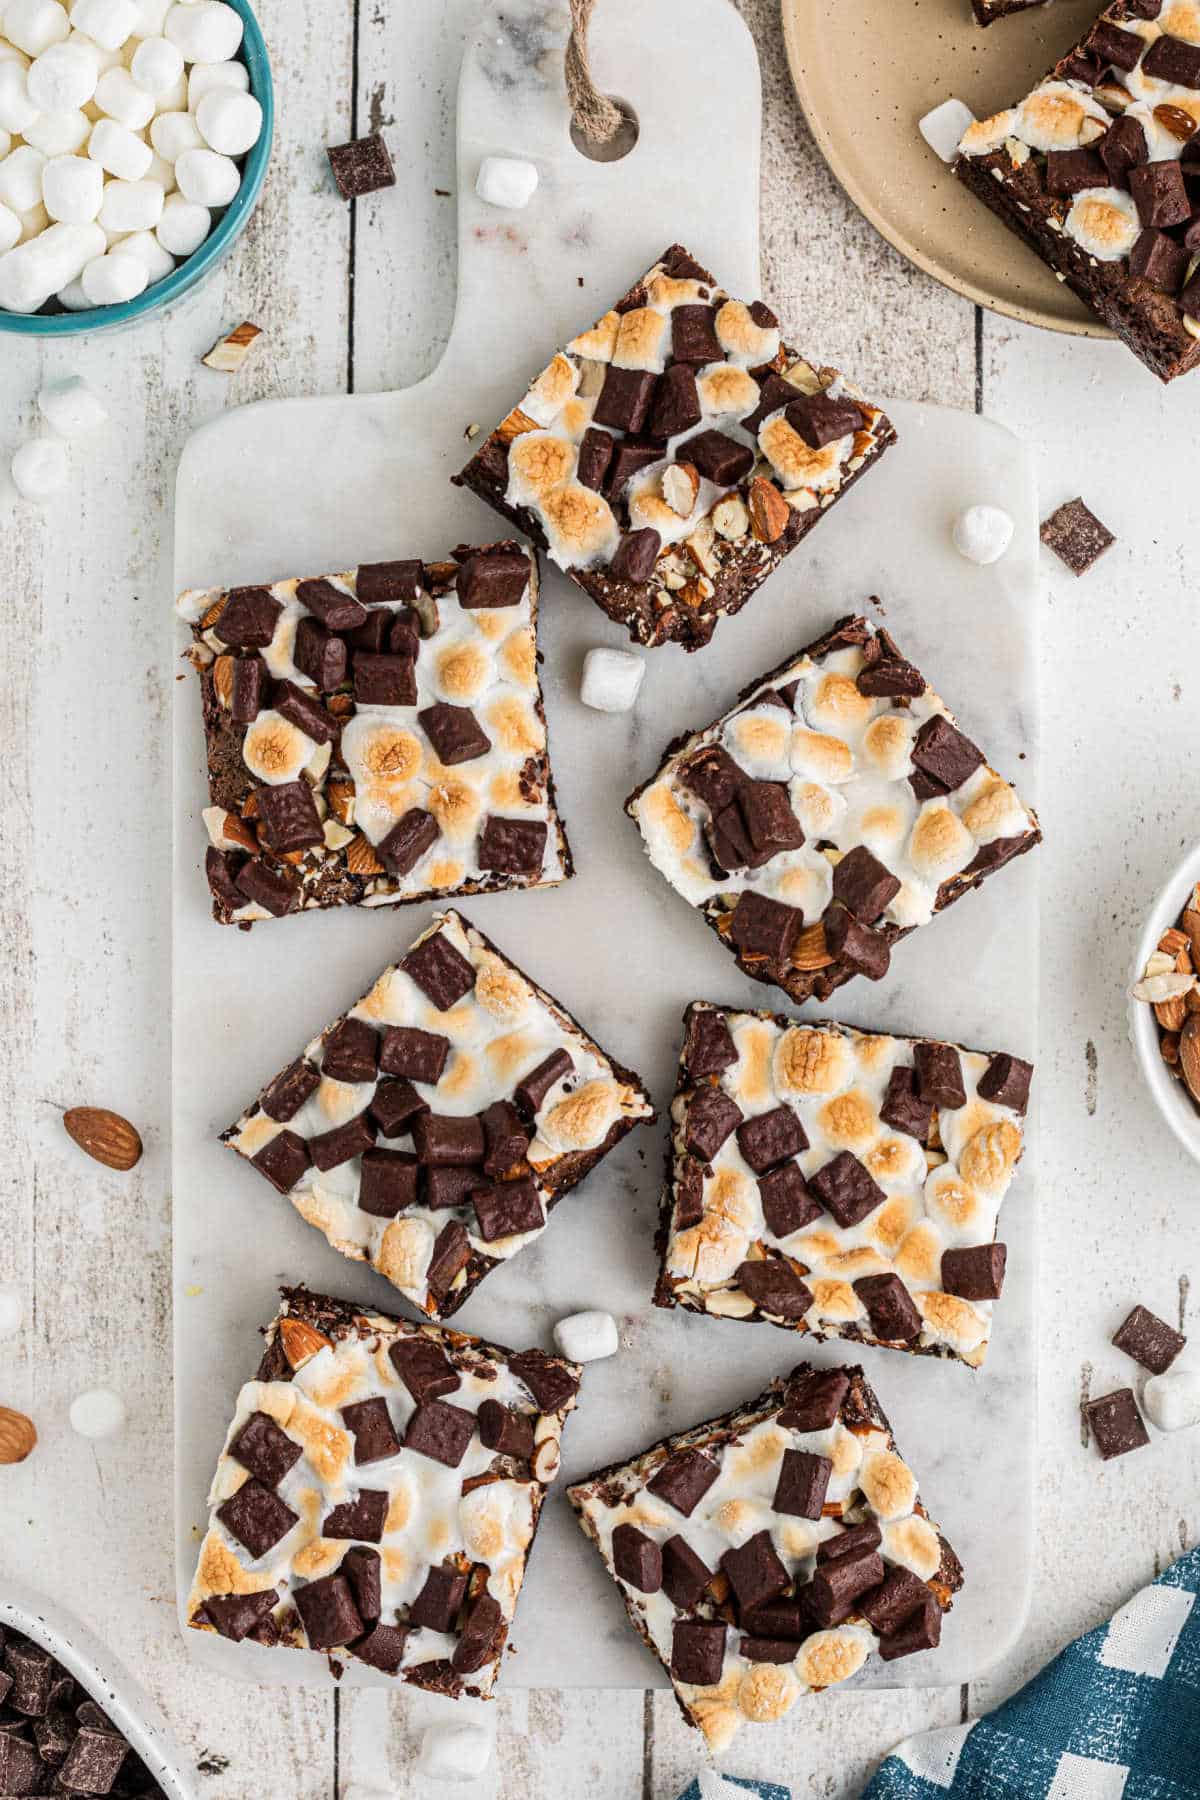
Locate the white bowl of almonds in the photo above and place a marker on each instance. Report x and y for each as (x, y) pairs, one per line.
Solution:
(1164, 1002)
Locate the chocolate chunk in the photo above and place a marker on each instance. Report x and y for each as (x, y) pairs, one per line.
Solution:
(382, 1647)
(862, 884)
(1171, 59)
(32, 1674)
(330, 1149)
(265, 1450)
(482, 1635)
(333, 606)
(1123, 148)
(1149, 1340)
(289, 816)
(362, 1517)
(1189, 301)
(351, 1051)
(374, 636)
(448, 1185)
(775, 392)
(415, 832)
(93, 1762)
(1158, 258)
(595, 453)
(890, 677)
(1075, 534)
(493, 578)
(256, 1517)
(776, 1650)
(697, 1652)
(684, 1576)
(320, 655)
(925, 787)
(836, 1585)
(890, 1308)
(249, 689)
(420, 1055)
(454, 732)
(451, 1253)
(711, 1117)
(903, 1108)
(637, 1559)
(943, 752)
(774, 1287)
(404, 634)
(532, 1089)
(506, 1138)
(370, 1424)
(382, 581)
(689, 1194)
(1159, 192)
(389, 1183)
(713, 776)
(850, 1542)
(392, 1106)
(1115, 48)
(821, 419)
(361, 167)
(803, 1483)
(708, 1045)
(896, 1599)
(440, 1431)
(814, 1399)
(509, 1208)
(786, 1201)
(682, 266)
(770, 822)
(283, 1160)
(248, 618)
(269, 888)
(505, 1430)
(547, 1380)
(729, 843)
(720, 459)
(939, 1074)
(328, 1613)
(683, 1480)
(512, 846)
(635, 556)
(362, 1569)
(846, 1189)
(436, 1606)
(236, 1615)
(448, 1138)
(288, 1092)
(21, 1769)
(770, 1138)
(625, 399)
(676, 405)
(755, 1572)
(976, 1272)
(783, 1618)
(922, 1631)
(765, 929)
(1005, 1082)
(694, 335)
(1070, 172)
(384, 680)
(1078, 66)
(424, 1368)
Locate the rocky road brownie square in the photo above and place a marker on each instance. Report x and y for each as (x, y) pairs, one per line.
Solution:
(839, 1182)
(1098, 169)
(766, 1554)
(431, 1130)
(674, 453)
(378, 1493)
(375, 737)
(835, 808)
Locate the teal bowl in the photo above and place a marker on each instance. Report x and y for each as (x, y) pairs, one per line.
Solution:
(229, 226)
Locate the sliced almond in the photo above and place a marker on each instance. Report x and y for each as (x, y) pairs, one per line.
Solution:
(769, 512)
(208, 619)
(301, 1341)
(1159, 987)
(230, 352)
(811, 951)
(680, 486)
(1168, 1043)
(18, 1435)
(731, 518)
(1173, 941)
(340, 795)
(512, 426)
(361, 858)
(104, 1135)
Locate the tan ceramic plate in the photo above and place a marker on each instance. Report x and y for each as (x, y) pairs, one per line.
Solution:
(867, 70)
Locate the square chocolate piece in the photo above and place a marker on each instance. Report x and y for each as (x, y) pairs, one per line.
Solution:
(1076, 536)
(1149, 1340)
(675, 355)
(256, 1583)
(361, 167)
(1116, 1424)
(766, 1603)
(489, 1176)
(813, 1221)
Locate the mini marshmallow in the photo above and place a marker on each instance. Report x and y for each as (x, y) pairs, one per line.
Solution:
(33, 222)
(943, 127)
(105, 59)
(107, 22)
(151, 17)
(611, 679)
(72, 188)
(146, 247)
(174, 99)
(453, 1752)
(39, 469)
(206, 31)
(59, 134)
(207, 177)
(72, 298)
(157, 65)
(11, 1310)
(5, 143)
(114, 277)
(131, 206)
(230, 122)
(184, 225)
(161, 172)
(10, 228)
(21, 178)
(97, 1414)
(587, 1336)
(172, 133)
(33, 25)
(63, 77)
(70, 407)
(17, 110)
(205, 78)
(119, 96)
(1172, 1400)
(506, 181)
(982, 533)
(118, 150)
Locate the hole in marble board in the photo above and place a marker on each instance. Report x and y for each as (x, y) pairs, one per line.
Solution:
(619, 144)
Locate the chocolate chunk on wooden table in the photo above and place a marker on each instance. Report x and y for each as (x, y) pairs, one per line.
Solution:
(1076, 536)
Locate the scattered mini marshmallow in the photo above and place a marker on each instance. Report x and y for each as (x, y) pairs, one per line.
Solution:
(11, 1310)
(131, 206)
(115, 277)
(982, 533)
(507, 181)
(39, 469)
(63, 77)
(171, 133)
(204, 77)
(118, 150)
(157, 65)
(229, 122)
(1172, 1400)
(206, 30)
(119, 97)
(207, 177)
(33, 25)
(97, 1414)
(587, 1336)
(611, 679)
(72, 189)
(70, 407)
(942, 128)
(230, 352)
(184, 225)
(453, 1752)
(107, 22)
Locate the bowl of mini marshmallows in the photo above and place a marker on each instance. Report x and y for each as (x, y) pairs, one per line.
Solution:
(134, 138)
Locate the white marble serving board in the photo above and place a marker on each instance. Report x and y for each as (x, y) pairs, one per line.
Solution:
(299, 487)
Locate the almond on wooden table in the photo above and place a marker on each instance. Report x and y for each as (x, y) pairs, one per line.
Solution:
(18, 1435)
(104, 1135)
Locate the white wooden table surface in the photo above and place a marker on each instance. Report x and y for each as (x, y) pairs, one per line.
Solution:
(365, 302)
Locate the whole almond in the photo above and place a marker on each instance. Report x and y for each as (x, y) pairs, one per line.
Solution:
(546, 1460)
(769, 511)
(1189, 1054)
(301, 1341)
(1180, 124)
(811, 951)
(104, 1135)
(18, 1435)
(361, 858)
(223, 680)
(1171, 1013)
